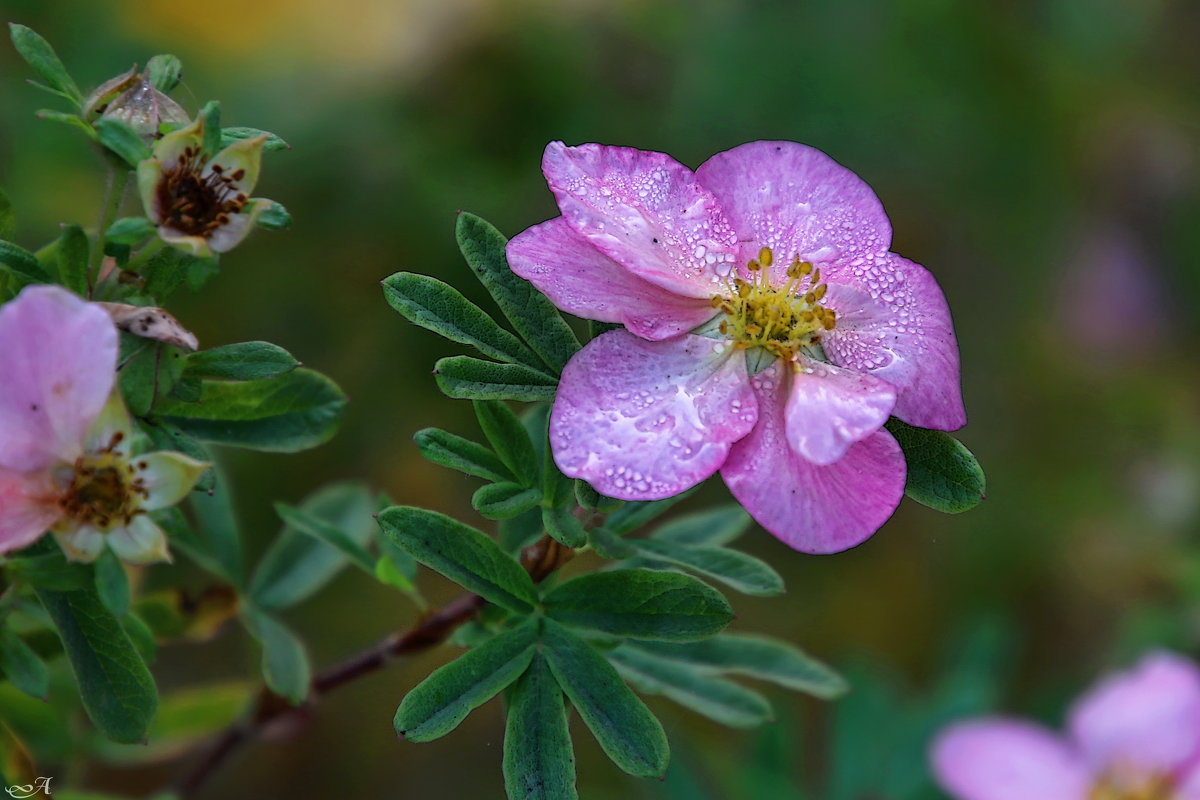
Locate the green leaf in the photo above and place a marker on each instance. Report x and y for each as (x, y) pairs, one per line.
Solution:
(294, 412)
(217, 526)
(561, 524)
(38, 54)
(274, 216)
(130, 230)
(441, 308)
(237, 134)
(296, 566)
(462, 554)
(466, 378)
(520, 531)
(508, 438)
(72, 257)
(539, 761)
(284, 663)
(165, 71)
(139, 373)
(50, 571)
(142, 637)
(714, 526)
(758, 657)
(122, 139)
(25, 266)
(942, 473)
(440, 702)
(244, 361)
(453, 451)
(212, 127)
(504, 500)
(8, 218)
(738, 571)
(118, 691)
(608, 545)
(632, 516)
(533, 316)
(716, 698)
(631, 736)
(589, 498)
(21, 665)
(642, 604)
(311, 525)
(112, 584)
(73, 120)
(165, 272)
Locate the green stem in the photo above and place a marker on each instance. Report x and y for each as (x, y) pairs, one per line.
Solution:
(118, 178)
(144, 255)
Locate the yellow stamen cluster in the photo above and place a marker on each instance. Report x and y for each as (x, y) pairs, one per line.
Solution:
(782, 319)
(105, 489)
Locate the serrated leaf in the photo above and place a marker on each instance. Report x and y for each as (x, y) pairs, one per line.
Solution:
(453, 451)
(296, 566)
(285, 664)
(631, 736)
(641, 604)
(165, 71)
(130, 230)
(22, 666)
(942, 473)
(562, 525)
(237, 134)
(441, 308)
(738, 571)
(462, 554)
(632, 516)
(504, 500)
(718, 699)
(314, 526)
(24, 264)
(72, 257)
(466, 378)
(244, 361)
(508, 439)
(440, 702)
(539, 761)
(38, 54)
(112, 584)
(118, 691)
(122, 139)
(533, 316)
(293, 412)
(714, 526)
(757, 657)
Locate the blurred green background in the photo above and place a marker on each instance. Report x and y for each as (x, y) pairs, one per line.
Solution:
(1039, 157)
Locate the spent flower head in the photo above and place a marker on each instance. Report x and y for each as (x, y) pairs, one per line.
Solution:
(68, 461)
(133, 99)
(769, 334)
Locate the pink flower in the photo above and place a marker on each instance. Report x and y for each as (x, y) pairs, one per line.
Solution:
(66, 441)
(1135, 736)
(769, 333)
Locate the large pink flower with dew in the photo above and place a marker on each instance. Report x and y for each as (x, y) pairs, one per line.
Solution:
(769, 333)
(1134, 736)
(66, 459)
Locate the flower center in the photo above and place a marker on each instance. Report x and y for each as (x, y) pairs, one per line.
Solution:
(782, 319)
(1156, 788)
(194, 204)
(105, 489)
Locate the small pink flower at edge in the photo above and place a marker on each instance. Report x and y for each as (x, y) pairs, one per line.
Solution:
(1133, 736)
(66, 460)
(769, 333)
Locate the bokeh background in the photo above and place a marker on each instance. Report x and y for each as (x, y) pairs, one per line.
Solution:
(1039, 156)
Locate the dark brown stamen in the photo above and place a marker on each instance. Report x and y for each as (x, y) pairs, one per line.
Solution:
(195, 204)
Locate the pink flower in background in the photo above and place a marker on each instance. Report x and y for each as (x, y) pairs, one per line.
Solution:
(769, 333)
(1134, 736)
(66, 462)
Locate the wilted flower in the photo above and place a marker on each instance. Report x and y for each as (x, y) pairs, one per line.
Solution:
(132, 99)
(201, 202)
(769, 334)
(66, 457)
(1135, 736)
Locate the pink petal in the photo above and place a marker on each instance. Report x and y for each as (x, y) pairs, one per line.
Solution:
(999, 759)
(645, 211)
(831, 408)
(58, 356)
(1189, 784)
(1145, 719)
(581, 280)
(28, 508)
(892, 321)
(812, 508)
(645, 420)
(797, 201)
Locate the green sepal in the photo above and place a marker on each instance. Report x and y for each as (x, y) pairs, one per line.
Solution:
(589, 498)
(641, 604)
(539, 760)
(273, 216)
(165, 71)
(122, 140)
(450, 450)
(211, 114)
(244, 361)
(942, 473)
(504, 500)
(440, 702)
(130, 230)
(38, 54)
(531, 314)
(467, 378)
(462, 554)
(628, 733)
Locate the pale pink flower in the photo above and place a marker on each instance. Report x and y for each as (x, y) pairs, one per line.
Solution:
(769, 333)
(1134, 736)
(66, 441)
